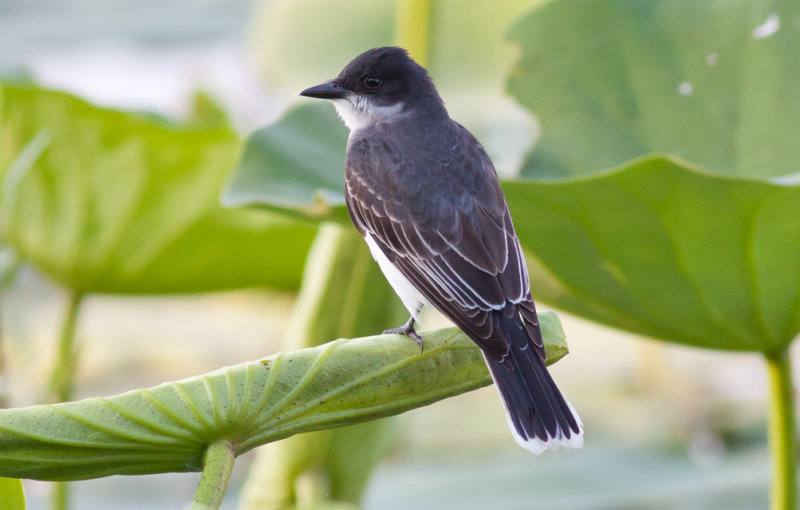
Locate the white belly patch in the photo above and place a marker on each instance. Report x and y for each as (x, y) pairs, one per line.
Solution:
(409, 295)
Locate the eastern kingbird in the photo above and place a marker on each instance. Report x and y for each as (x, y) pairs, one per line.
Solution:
(425, 196)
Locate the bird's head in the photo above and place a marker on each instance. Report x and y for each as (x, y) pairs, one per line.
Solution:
(380, 85)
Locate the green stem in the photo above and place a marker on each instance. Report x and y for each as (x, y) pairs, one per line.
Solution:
(62, 380)
(59, 499)
(412, 28)
(63, 375)
(782, 431)
(217, 467)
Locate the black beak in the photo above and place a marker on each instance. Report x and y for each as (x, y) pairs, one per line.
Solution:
(327, 90)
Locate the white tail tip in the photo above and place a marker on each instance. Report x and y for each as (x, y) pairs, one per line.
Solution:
(537, 446)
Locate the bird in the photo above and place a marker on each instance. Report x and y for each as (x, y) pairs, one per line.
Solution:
(423, 193)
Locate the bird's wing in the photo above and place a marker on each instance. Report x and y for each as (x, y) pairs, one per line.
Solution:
(454, 241)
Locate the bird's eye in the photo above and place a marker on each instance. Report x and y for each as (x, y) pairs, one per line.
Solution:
(373, 82)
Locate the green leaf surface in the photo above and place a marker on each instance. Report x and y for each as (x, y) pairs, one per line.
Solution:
(295, 165)
(713, 82)
(120, 203)
(12, 495)
(662, 249)
(167, 428)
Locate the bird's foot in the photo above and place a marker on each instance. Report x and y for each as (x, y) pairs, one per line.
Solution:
(408, 330)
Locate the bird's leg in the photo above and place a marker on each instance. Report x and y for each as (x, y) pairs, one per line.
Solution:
(406, 329)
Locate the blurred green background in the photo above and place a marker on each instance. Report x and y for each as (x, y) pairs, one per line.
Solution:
(667, 427)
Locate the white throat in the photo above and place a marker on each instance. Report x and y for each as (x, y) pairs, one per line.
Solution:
(358, 112)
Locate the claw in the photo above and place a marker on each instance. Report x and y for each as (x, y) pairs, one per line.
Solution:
(407, 329)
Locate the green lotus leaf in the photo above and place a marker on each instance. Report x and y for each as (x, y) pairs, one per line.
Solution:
(712, 82)
(167, 428)
(295, 165)
(662, 249)
(120, 203)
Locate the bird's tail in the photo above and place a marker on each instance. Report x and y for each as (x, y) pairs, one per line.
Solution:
(539, 416)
